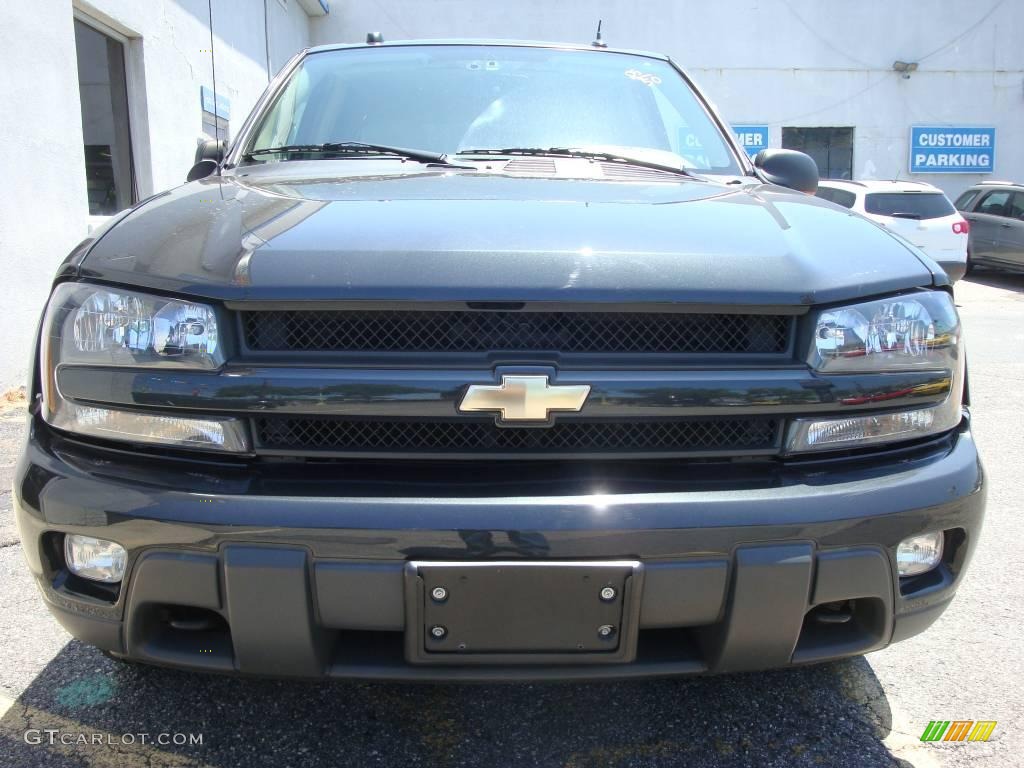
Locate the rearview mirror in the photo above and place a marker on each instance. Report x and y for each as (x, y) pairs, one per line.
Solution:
(788, 168)
(209, 155)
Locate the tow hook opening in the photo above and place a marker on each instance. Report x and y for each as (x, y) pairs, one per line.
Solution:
(842, 628)
(839, 612)
(185, 618)
(183, 634)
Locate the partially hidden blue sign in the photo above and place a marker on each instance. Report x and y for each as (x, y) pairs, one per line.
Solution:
(220, 107)
(753, 138)
(946, 149)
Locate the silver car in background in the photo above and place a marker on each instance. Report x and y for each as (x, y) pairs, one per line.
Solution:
(995, 210)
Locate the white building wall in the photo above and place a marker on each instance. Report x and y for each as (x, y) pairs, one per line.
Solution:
(780, 62)
(288, 30)
(43, 209)
(775, 62)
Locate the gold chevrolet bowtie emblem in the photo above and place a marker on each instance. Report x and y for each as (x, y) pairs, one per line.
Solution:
(524, 398)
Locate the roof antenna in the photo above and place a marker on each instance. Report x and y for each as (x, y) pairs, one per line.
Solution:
(598, 43)
(213, 74)
(374, 38)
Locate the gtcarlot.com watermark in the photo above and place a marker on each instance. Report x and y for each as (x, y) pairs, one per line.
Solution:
(53, 736)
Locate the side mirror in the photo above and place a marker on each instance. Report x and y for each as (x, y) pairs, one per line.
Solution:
(202, 169)
(788, 168)
(211, 149)
(209, 155)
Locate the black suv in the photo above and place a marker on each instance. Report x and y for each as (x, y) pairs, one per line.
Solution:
(489, 360)
(995, 210)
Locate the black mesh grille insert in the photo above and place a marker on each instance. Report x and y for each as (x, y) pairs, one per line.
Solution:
(486, 331)
(314, 434)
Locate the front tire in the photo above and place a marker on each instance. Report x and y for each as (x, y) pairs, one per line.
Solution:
(119, 659)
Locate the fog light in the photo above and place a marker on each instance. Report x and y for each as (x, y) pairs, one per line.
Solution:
(96, 559)
(919, 553)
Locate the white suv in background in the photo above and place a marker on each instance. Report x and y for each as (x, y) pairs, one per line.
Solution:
(914, 210)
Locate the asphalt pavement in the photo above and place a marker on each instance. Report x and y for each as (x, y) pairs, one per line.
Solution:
(864, 712)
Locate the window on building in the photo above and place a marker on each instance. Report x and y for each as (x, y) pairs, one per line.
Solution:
(831, 148)
(105, 130)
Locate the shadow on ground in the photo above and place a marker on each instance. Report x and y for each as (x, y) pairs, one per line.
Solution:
(832, 715)
(1006, 280)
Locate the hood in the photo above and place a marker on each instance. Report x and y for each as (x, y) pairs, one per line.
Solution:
(298, 231)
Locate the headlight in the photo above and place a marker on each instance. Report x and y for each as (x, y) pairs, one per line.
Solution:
(92, 325)
(913, 332)
(95, 325)
(910, 332)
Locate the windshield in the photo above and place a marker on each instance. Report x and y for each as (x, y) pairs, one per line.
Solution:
(447, 98)
(916, 205)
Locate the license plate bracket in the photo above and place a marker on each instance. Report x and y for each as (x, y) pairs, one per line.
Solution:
(522, 612)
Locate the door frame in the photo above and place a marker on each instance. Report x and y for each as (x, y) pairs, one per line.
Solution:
(135, 87)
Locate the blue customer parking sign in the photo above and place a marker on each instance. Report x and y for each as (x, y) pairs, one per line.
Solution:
(945, 149)
(753, 138)
(221, 104)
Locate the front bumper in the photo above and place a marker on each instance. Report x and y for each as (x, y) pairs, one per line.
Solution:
(242, 577)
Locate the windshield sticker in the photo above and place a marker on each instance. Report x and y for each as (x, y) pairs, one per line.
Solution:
(644, 77)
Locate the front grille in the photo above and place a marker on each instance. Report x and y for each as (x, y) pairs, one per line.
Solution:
(440, 331)
(368, 436)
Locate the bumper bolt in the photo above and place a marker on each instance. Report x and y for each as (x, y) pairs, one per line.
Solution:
(605, 631)
(440, 594)
(608, 594)
(438, 632)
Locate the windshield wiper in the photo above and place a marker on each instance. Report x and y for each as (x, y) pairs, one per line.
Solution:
(354, 148)
(611, 157)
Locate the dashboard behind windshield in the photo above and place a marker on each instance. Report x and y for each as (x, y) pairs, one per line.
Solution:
(450, 98)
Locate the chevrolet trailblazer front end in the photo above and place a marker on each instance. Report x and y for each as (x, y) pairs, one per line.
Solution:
(496, 361)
